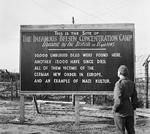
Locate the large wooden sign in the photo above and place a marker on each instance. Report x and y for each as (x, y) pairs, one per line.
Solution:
(74, 58)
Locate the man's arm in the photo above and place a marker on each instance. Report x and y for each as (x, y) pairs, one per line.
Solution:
(117, 96)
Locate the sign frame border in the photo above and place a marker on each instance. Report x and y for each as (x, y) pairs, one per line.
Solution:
(113, 26)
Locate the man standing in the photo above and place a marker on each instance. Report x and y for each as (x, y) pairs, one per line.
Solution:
(125, 102)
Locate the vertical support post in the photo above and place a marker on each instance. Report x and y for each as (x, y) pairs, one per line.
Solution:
(73, 21)
(77, 110)
(92, 102)
(16, 90)
(36, 105)
(22, 112)
(73, 96)
(11, 89)
(73, 99)
(146, 84)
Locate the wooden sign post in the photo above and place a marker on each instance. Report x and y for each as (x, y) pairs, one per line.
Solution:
(77, 110)
(22, 109)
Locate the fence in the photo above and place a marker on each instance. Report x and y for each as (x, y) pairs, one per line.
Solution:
(143, 80)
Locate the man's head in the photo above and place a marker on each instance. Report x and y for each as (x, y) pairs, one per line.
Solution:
(123, 70)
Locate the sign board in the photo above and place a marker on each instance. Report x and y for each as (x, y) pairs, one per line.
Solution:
(74, 58)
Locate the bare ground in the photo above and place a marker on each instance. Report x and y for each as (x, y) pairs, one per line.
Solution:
(60, 119)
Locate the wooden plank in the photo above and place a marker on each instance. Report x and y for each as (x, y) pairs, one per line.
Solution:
(57, 102)
(36, 105)
(66, 93)
(77, 110)
(143, 114)
(22, 112)
(122, 26)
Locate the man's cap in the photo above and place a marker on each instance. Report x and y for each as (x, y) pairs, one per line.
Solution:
(123, 70)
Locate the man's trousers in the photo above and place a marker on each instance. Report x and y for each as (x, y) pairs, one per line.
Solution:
(123, 123)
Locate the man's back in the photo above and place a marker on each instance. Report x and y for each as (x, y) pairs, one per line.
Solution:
(125, 97)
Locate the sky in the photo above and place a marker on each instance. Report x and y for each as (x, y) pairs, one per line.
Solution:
(14, 13)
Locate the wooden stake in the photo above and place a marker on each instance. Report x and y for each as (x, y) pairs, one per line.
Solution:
(73, 99)
(77, 110)
(146, 84)
(73, 20)
(36, 105)
(11, 89)
(22, 118)
(92, 101)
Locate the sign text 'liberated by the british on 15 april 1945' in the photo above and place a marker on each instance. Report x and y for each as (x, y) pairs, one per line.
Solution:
(74, 59)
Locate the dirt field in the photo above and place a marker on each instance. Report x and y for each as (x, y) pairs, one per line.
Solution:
(60, 119)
